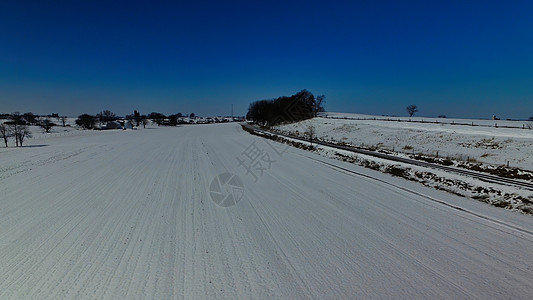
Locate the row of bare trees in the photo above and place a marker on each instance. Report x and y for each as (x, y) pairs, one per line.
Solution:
(30, 118)
(16, 127)
(13, 130)
(88, 121)
(162, 119)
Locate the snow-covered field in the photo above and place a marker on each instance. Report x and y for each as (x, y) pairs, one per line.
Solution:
(39, 134)
(484, 143)
(128, 214)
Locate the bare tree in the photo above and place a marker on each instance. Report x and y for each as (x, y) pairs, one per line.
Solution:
(106, 116)
(13, 128)
(86, 121)
(157, 118)
(137, 117)
(21, 132)
(63, 120)
(5, 133)
(173, 120)
(411, 109)
(16, 118)
(311, 133)
(144, 120)
(46, 124)
(319, 104)
(30, 118)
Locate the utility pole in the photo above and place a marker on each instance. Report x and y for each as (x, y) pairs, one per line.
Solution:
(232, 111)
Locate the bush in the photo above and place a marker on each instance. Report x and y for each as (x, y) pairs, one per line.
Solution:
(396, 171)
(46, 125)
(86, 121)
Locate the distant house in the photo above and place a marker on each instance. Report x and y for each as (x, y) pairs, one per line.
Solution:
(113, 125)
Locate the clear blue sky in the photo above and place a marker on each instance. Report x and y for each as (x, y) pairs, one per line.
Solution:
(458, 58)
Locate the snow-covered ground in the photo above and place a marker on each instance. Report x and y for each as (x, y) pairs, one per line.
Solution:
(38, 133)
(476, 122)
(128, 214)
(484, 143)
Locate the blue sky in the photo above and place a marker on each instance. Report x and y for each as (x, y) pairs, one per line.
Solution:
(457, 58)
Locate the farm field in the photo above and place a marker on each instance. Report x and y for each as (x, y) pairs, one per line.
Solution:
(131, 214)
(482, 143)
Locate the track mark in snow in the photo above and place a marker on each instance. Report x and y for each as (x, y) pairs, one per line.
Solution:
(455, 207)
(130, 216)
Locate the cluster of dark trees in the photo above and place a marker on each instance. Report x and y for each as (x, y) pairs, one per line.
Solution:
(136, 119)
(170, 120)
(33, 120)
(17, 126)
(300, 106)
(90, 121)
(86, 121)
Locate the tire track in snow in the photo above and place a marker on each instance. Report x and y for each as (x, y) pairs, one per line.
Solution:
(443, 203)
(130, 217)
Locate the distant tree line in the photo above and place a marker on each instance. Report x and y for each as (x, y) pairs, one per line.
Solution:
(300, 106)
(17, 126)
(31, 119)
(88, 121)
